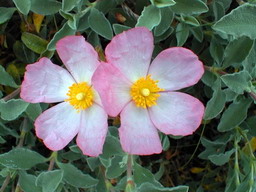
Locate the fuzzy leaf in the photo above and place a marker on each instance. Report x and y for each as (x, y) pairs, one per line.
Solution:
(150, 17)
(238, 82)
(11, 109)
(99, 24)
(21, 158)
(6, 78)
(239, 22)
(234, 115)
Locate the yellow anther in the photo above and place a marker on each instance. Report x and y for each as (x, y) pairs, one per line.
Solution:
(80, 96)
(145, 92)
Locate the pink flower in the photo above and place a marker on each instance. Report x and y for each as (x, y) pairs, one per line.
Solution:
(145, 94)
(79, 111)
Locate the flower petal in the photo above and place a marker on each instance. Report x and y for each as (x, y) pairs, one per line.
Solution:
(94, 128)
(176, 68)
(113, 88)
(58, 125)
(177, 113)
(131, 52)
(79, 57)
(45, 82)
(137, 133)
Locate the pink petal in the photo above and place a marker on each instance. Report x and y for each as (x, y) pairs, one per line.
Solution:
(176, 68)
(45, 82)
(177, 113)
(131, 52)
(137, 133)
(94, 128)
(58, 125)
(113, 88)
(79, 57)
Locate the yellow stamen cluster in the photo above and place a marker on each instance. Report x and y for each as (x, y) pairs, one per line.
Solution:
(80, 96)
(144, 92)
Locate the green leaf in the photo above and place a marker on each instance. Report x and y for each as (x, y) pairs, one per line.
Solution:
(7, 131)
(45, 7)
(182, 32)
(33, 110)
(221, 159)
(68, 5)
(72, 19)
(64, 31)
(150, 17)
(217, 103)
(23, 53)
(164, 36)
(21, 158)
(234, 115)
(6, 14)
(77, 178)
(190, 20)
(34, 43)
(27, 182)
(197, 33)
(23, 5)
(143, 175)
(111, 147)
(189, 7)
(216, 51)
(163, 3)
(237, 51)
(238, 82)
(149, 187)
(99, 24)
(119, 28)
(50, 180)
(2, 140)
(11, 109)
(218, 10)
(165, 23)
(116, 168)
(93, 162)
(6, 78)
(239, 22)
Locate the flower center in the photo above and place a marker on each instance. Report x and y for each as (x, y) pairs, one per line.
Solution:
(80, 95)
(144, 92)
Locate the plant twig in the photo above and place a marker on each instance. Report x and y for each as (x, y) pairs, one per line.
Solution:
(11, 95)
(52, 160)
(6, 182)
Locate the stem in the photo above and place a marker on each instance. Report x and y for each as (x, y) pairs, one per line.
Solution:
(11, 95)
(6, 182)
(237, 170)
(130, 187)
(108, 184)
(198, 143)
(129, 168)
(247, 141)
(23, 133)
(215, 70)
(253, 95)
(52, 160)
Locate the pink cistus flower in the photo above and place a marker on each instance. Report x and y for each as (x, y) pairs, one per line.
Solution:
(145, 94)
(80, 110)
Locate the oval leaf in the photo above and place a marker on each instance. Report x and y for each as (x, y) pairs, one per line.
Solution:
(21, 158)
(99, 24)
(34, 43)
(150, 17)
(239, 22)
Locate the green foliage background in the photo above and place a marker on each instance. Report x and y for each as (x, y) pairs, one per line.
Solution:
(218, 157)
